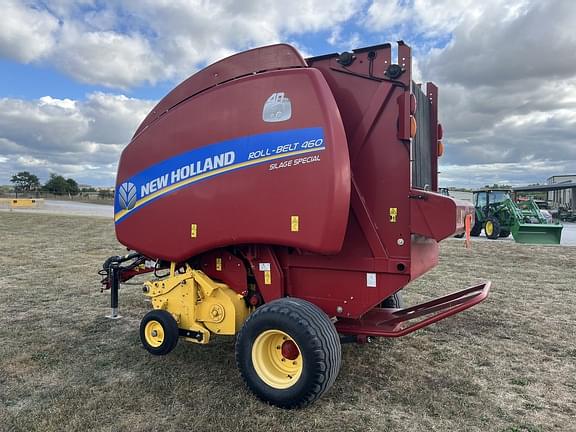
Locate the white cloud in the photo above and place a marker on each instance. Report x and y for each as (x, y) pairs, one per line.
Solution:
(344, 42)
(48, 122)
(429, 17)
(385, 14)
(107, 58)
(507, 91)
(497, 46)
(136, 42)
(60, 103)
(335, 36)
(29, 161)
(26, 34)
(82, 139)
(190, 34)
(113, 118)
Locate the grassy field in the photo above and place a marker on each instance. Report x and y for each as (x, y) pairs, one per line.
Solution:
(508, 364)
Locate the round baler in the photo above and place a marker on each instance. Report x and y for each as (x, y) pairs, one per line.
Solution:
(287, 202)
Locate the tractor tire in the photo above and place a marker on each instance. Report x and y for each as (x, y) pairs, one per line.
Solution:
(395, 301)
(288, 352)
(159, 332)
(492, 228)
(476, 229)
(504, 233)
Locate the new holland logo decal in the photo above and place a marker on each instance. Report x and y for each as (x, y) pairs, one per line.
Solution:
(199, 164)
(127, 195)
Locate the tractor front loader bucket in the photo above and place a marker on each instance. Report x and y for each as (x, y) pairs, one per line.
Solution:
(537, 233)
(532, 233)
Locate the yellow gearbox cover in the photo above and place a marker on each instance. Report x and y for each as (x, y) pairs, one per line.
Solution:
(198, 303)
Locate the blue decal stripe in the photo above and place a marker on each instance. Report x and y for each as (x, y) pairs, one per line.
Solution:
(242, 153)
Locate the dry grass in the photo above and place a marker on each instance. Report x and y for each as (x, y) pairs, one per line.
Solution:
(507, 365)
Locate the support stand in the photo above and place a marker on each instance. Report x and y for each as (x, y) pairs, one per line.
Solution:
(114, 275)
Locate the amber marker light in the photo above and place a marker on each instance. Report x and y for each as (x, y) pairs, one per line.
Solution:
(413, 127)
(440, 148)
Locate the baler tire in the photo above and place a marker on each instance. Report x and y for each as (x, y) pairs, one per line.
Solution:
(504, 233)
(163, 321)
(476, 229)
(395, 301)
(495, 233)
(317, 346)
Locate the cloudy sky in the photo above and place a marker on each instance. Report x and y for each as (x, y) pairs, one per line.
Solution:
(78, 76)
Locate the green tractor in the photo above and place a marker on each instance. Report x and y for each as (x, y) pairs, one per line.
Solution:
(499, 216)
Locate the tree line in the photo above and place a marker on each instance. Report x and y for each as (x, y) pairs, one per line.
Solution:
(25, 181)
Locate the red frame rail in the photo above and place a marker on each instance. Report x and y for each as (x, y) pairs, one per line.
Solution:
(396, 322)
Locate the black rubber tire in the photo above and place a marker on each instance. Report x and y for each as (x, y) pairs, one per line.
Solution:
(459, 235)
(169, 326)
(315, 335)
(476, 229)
(395, 301)
(504, 233)
(496, 228)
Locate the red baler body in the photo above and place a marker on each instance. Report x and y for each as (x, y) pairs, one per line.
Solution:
(297, 175)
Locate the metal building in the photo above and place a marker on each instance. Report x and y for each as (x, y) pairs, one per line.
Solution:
(563, 197)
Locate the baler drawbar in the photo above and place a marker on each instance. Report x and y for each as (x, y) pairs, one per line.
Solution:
(287, 201)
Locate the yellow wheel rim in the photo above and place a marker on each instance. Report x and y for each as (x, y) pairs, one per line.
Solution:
(277, 359)
(154, 333)
(489, 228)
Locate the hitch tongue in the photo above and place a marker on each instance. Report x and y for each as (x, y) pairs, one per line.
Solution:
(112, 272)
